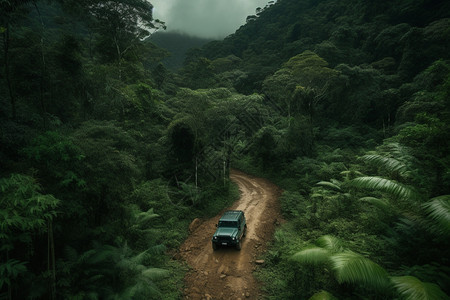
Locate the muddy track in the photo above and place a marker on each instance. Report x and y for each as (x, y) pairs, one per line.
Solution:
(228, 273)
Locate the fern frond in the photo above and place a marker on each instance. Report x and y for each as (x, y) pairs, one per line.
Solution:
(313, 255)
(438, 209)
(394, 188)
(316, 195)
(139, 258)
(85, 257)
(354, 268)
(155, 273)
(390, 164)
(143, 217)
(400, 151)
(157, 249)
(412, 288)
(330, 185)
(330, 242)
(380, 203)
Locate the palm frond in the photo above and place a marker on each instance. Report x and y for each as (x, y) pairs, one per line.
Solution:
(438, 209)
(312, 256)
(354, 268)
(412, 288)
(394, 188)
(330, 242)
(379, 203)
(390, 164)
(330, 185)
(400, 151)
(322, 295)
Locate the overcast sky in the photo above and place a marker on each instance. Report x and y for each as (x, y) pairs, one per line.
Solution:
(205, 18)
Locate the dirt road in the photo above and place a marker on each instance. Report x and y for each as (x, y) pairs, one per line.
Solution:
(227, 272)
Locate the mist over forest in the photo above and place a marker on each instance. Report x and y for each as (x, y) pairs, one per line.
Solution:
(178, 45)
(116, 135)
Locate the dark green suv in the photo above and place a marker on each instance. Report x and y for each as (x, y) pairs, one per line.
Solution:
(230, 230)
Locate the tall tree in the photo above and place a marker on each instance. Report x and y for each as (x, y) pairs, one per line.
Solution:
(121, 26)
(9, 12)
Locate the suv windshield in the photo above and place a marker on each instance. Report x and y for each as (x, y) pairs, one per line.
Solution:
(227, 224)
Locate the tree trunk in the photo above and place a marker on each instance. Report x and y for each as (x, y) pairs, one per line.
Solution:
(43, 70)
(119, 57)
(9, 285)
(51, 261)
(12, 98)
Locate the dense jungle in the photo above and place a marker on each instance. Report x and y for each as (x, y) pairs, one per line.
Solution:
(107, 154)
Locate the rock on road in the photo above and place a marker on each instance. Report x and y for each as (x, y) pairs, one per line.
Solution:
(228, 273)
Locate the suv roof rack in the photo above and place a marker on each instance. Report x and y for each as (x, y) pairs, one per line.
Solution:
(231, 215)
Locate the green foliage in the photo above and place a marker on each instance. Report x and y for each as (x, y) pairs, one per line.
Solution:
(314, 256)
(82, 273)
(10, 270)
(330, 242)
(23, 207)
(348, 266)
(412, 288)
(391, 164)
(263, 145)
(292, 204)
(385, 185)
(57, 158)
(353, 268)
(24, 213)
(438, 209)
(379, 203)
(183, 140)
(322, 295)
(330, 185)
(109, 157)
(308, 68)
(427, 130)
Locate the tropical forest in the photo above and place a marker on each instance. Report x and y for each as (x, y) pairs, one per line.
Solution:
(112, 142)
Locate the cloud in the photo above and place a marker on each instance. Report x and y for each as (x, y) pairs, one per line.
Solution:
(205, 18)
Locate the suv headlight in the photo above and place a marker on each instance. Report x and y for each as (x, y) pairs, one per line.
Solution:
(234, 238)
(215, 237)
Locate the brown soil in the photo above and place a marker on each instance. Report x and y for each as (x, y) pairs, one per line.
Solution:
(228, 273)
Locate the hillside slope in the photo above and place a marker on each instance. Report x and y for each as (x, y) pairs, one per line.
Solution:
(399, 36)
